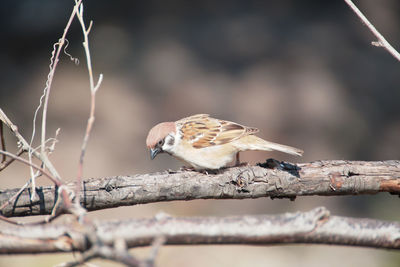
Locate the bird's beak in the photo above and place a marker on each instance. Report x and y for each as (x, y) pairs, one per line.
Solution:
(154, 152)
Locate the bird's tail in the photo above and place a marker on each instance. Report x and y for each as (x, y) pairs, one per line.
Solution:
(252, 142)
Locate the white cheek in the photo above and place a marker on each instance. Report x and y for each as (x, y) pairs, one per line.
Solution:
(169, 144)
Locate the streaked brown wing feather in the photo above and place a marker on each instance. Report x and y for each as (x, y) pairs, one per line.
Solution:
(204, 131)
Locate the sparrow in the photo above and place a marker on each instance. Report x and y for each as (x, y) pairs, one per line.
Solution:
(206, 143)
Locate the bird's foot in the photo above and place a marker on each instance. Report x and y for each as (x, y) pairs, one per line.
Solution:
(241, 164)
(186, 169)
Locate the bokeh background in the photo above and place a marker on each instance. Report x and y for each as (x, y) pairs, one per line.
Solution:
(303, 72)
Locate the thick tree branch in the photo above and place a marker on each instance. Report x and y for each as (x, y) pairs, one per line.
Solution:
(325, 178)
(315, 226)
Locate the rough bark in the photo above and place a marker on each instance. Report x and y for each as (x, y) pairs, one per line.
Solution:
(315, 226)
(285, 180)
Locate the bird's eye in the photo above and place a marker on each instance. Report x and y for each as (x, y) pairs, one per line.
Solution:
(161, 142)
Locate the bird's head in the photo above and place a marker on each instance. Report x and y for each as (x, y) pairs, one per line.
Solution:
(161, 138)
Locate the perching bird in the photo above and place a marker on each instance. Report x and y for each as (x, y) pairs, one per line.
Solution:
(205, 143)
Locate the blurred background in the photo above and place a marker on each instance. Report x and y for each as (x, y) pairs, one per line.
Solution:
(303, 72)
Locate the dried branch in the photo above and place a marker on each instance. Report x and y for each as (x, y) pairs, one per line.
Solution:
(105, 252)
(58, 47)
(96, 248)
(157, 243)
(15, 157)
(49, 82)
(24, 145)
(2, 143)
(327, 178)
(6, 163)
(313, 227)
(93, 90)
(61, 190)
(381, 40)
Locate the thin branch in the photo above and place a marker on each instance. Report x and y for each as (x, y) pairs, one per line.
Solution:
(93, 90)
(6, 163)
(46, 93)
(62, 191)
(105, 252)
(381, 40)
(314, 227)
(15, 157)
(49, 82)
(327, 178)
(157, 243)
(30, 147)
(11, 200)
(2, 143)
(24, 145)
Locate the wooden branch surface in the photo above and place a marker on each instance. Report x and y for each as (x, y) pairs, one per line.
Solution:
(315, 226)
(325, 178)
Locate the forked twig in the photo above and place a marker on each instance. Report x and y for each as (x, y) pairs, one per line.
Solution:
(49, 82)
(10, 200)
(24, 145)
(63, 193)
(93, 90)
(46, 94)
(381, 40)
(105, 252)
(48, 175)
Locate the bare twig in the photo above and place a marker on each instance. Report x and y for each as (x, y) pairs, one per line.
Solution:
(158, 242)
(62, 190)
(8, 220)
(49, 82)
(11, 200)
(6, 163)
(2, 142)
(93, 90)
(314, 227)
(46, 93)
(381, 40)
(328, 178)
(116, 251)
(54, 141)
(105, 252)
(15, 157)
(24, 145)
(30, 147)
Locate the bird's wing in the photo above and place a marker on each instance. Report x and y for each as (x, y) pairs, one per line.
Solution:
(203, 131)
